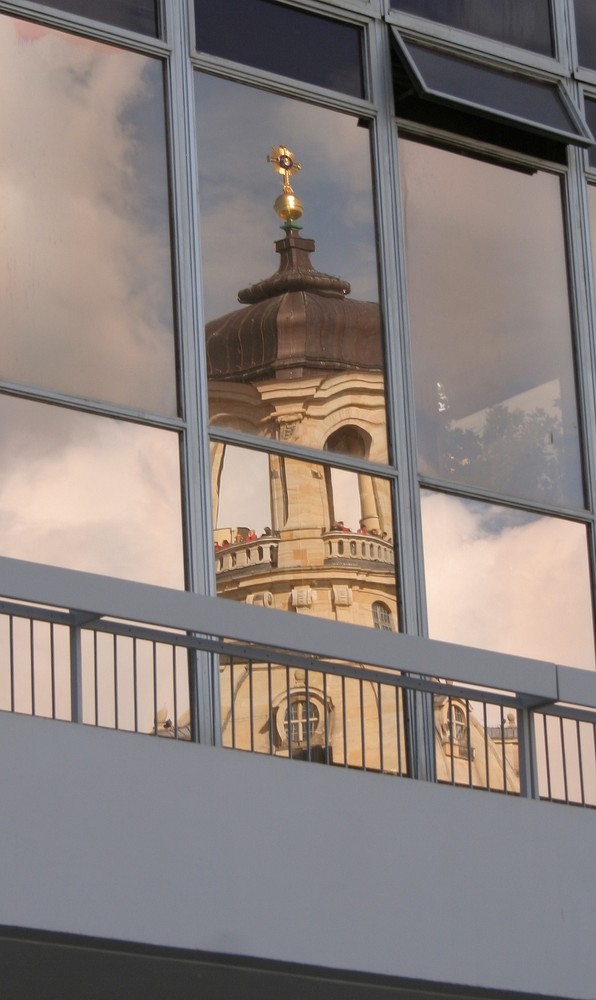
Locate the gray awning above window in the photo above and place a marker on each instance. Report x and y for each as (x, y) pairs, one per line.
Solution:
(467, 86)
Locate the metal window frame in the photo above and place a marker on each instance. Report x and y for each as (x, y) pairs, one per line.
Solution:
(181, 62)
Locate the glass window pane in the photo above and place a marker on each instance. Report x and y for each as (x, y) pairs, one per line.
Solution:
(303, 537)
(585, 26)
(85, 287)
(517, 22)
(134, 15)
(301, 358)
(283, 40)
(592, 208)
(529, 104)
(90, 493)
(490, 324)
(590, 107)
(507, 580)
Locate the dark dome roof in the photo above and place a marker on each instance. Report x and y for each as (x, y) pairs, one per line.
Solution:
(295, 323)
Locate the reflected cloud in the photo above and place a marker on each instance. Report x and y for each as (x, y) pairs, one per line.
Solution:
(86, 291)
(507, 580)
(90, 493)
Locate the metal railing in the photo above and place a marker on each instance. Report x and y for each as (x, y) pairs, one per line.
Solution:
(566, 757)
(81, 667)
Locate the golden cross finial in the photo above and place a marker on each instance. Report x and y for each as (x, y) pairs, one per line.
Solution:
(287, 205)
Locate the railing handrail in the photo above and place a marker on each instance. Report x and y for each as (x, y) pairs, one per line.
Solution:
(533, 683)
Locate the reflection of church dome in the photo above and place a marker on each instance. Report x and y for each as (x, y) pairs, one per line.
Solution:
(296, 323)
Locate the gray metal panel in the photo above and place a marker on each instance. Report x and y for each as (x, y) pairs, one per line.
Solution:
(108, 834)
(577, 687)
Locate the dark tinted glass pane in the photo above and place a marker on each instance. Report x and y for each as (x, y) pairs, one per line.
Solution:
(534, 104)
(282, 40)
(591, 120)
(592, 208)
(134, 15)
(518, 22)
(585, 25)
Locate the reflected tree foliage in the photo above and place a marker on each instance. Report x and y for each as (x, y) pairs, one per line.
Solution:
(516, 448)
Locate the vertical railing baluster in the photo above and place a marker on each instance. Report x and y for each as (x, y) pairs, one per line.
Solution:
(580, 763)
(12, 665)
(154, 667)
(326, 717)
(486, 754)
(564, 760)
(594, 742)
(549, 792)
(381, 754)
(96, 676)
(32, 663)
(289, 709)
(135, 681)
(115, 662)
(251, 705)
(270, 705)
(398, 711)
(469, 744)
(362, 727)
(232, 702)
(451, 724)
(343, 719)
(76, 686)
(503, 753)
(53, 669)
(307, 707)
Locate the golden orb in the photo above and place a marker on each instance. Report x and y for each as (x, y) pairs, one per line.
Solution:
(288, 206)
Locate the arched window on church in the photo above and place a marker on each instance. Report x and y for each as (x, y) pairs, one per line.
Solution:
(456, 724)
(349, 440)
(382, 617)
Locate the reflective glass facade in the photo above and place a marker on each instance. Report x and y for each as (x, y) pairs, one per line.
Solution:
(298, 459)
(352, 382)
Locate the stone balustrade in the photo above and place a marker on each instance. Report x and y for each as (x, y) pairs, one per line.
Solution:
(261, 552)
(352, 545)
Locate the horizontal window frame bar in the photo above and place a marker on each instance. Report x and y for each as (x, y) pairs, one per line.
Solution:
(437, 485)
(85, 405)
(272, 446)
(285, 85)
(585, 76)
